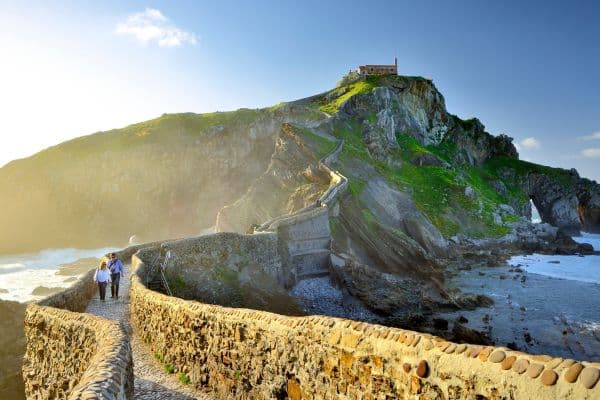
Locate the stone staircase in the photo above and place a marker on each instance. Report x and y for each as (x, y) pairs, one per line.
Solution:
(304, 236)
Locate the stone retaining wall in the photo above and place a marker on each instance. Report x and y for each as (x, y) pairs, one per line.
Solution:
(73, 355)
(246, 354)
(305, 244)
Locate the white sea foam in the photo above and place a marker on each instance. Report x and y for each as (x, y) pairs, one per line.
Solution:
(21, 273)
(584, 269)
(591, 238)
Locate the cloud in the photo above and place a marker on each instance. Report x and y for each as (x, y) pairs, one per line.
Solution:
(152, 26)
(529, 143)
(592, 152)
(591, 136)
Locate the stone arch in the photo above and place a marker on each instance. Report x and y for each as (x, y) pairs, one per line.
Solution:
(557, 203)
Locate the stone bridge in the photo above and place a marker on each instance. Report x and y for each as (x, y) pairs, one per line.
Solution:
(247, 354)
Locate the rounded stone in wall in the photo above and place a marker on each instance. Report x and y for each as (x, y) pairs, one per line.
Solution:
(422, 369)
(549, 377)
(534, 370)
(508, 362)
(573, 372)
(589, 377)
(497, 356)
(520, 366)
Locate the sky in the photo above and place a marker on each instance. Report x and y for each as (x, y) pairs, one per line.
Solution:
(71, 68)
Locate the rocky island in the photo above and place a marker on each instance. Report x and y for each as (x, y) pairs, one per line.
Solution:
(372, 188)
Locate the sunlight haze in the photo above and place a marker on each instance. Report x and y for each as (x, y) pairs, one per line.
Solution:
(86, 67)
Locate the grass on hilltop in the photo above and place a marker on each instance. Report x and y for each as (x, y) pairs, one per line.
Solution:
(437, 191)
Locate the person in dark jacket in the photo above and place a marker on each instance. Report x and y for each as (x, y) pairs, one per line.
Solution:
(116, 272)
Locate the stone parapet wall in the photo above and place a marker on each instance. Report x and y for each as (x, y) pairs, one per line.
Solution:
(72, 355)
(74, 298)
(241, 353)
(193, 256)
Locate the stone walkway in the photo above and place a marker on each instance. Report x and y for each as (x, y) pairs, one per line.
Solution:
(150, 381)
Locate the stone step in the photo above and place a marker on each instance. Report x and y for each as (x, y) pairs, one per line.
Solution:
(315, 275)
(296, 247)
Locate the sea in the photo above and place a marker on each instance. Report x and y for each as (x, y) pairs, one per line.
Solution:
(543, 304)
(20, 274)
(576, 268)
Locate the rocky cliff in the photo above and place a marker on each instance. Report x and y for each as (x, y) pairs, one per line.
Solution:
(418, 177)
(157, 179)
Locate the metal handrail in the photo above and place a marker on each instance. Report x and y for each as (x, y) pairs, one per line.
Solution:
(161, 270)
(162, 273)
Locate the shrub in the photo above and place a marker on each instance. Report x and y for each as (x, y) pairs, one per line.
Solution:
(183, 378)
(169, 368)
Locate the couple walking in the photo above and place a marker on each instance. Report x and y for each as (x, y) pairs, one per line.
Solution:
(109, 272)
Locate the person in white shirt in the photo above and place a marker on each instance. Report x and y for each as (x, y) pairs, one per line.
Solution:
(102, 276)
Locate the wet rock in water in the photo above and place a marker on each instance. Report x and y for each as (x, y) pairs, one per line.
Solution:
(527, 337)
(481, 273)
(416, 319)
(462, 334)
(523, 279)
(462, 319)
(512, 346)
(45, 291)
(553, 262)
(519, 270)
(502, 276)
(472, 301)
(440, 323)
(486, 319)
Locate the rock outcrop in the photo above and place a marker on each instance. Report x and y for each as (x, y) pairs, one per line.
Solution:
(556, 203)
(12, 349)
(475, 145)
(588, 194)
(170, 176)
(292, 181)
(163, 178)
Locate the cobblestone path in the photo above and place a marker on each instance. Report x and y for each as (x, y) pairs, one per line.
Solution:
(150, 381)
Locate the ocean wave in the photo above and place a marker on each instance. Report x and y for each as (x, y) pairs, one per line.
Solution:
(21, 273)
(11, 267)
(583, 269)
